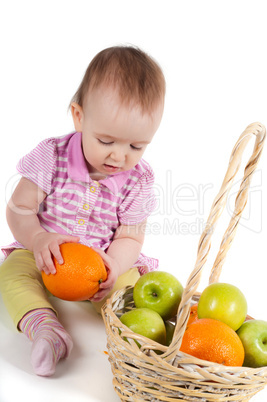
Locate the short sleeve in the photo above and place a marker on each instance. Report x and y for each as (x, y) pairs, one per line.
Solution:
(140, 201)
(39, 165)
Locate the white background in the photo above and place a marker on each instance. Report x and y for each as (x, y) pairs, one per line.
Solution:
(213, 55)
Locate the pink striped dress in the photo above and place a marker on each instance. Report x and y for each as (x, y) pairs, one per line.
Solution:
(78, 205)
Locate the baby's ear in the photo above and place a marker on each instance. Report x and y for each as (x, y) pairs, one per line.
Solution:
(77, 115)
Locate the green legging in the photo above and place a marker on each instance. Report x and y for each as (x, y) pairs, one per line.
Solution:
(22, 287)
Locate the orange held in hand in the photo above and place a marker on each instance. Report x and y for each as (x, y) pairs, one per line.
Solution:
(79, 277)
(213, 340)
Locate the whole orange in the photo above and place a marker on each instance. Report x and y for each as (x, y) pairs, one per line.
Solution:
(80, 275)
(213, 340)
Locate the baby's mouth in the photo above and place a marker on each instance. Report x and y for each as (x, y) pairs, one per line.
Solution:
(111, 168)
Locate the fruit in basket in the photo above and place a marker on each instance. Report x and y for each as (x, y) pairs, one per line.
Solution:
(80, 275)
(170, 326)
(213, 340)
(159, 291)
(146, 322)
(253, 334)
(223, 302)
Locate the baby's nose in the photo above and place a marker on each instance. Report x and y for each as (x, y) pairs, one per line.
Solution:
(118, 154)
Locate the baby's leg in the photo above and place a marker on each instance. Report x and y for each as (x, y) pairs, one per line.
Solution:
(50, 340)
(27, 303)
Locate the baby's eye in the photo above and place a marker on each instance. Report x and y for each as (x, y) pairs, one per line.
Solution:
(136, 148)
(104, 142)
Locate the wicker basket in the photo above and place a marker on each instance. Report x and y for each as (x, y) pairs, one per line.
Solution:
(144, 374)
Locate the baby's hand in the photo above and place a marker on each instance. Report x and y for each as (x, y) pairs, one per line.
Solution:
(47, 244)
(112, 268)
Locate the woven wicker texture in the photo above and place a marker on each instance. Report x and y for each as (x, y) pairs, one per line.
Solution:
(153, 372)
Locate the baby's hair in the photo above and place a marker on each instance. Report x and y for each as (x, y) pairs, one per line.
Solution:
(137, 76)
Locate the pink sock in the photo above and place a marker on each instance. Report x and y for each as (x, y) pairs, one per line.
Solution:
(50, 340)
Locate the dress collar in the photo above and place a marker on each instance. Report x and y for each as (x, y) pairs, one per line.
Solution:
(78, 171)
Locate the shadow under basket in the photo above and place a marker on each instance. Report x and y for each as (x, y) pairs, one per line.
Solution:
(144, 370)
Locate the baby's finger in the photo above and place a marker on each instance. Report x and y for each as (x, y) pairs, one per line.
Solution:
(70, 239)
(103, 255)
(46, 270)
(43, 267)
(105, 285)
(55, 250)
(39, 261)
(48, 261)
(99, 295)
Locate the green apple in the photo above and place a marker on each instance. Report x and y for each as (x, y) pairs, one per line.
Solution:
(158, 291)
(170, 327)
(146, 322)
(223, 302)
(253, 335)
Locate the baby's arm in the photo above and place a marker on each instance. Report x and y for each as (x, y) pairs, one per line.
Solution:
(23, 221)
(121, 255)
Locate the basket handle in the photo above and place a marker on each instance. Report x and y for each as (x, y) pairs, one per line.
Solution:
(259, 131)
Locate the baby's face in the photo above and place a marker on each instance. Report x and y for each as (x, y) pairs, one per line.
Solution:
(115, 136)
